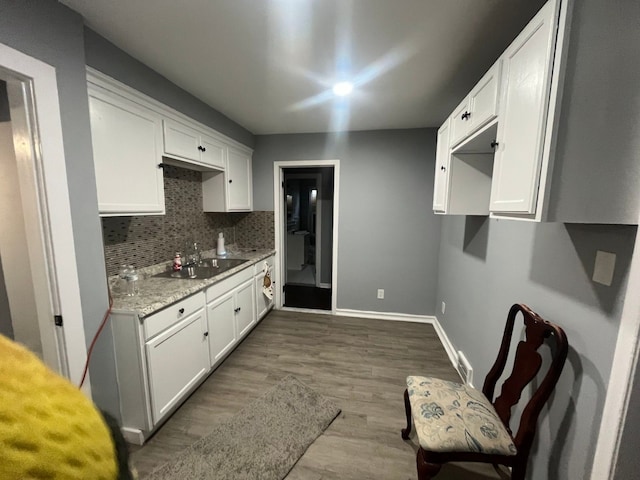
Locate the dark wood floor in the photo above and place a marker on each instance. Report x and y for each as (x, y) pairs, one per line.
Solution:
(359, 363)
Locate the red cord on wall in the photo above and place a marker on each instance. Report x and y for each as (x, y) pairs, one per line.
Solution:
(107, 314)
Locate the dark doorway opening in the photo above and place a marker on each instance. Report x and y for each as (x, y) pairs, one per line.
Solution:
(308, 234)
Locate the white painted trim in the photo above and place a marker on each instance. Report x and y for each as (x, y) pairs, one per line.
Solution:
(324, 285)
(305, 310)
(447, 344)
(64, 274)
(279, 221)
(398, 317)
(98, 78)
(623, 370)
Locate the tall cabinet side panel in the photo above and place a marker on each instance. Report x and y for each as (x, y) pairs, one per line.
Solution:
(131, 371)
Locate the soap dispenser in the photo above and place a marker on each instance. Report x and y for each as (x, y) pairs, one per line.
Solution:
(220, 248)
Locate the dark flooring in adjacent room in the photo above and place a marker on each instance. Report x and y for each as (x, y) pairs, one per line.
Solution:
(306, 296)
(359, 363)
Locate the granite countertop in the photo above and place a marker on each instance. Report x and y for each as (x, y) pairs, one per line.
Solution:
(157, 293)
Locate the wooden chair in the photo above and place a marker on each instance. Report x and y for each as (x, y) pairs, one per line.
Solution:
(457, 423)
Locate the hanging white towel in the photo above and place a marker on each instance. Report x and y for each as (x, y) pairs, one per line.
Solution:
(267, 284)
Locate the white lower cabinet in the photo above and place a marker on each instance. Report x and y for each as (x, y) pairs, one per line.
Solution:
(176, 360)
(222, 329)
(245, 310)
(161, 358)
(230, 313)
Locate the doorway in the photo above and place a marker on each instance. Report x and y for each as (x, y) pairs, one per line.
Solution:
(306, 234)
(38, 277)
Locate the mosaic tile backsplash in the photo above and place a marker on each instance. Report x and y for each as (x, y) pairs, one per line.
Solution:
(151, 239)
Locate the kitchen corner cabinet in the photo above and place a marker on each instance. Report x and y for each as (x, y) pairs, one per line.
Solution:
(188, 144)
(126, 150)
(231, 190)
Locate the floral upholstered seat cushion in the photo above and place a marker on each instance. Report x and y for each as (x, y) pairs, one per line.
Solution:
(451, 417)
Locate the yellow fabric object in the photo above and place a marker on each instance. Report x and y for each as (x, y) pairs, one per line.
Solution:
(48, 428)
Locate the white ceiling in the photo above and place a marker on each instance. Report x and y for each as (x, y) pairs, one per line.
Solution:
(269, 64)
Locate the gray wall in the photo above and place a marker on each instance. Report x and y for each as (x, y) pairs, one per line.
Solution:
(109, 59)
(487, 265)
(388, 235)
(50, 32)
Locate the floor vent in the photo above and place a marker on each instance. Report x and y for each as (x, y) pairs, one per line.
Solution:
(464, 368)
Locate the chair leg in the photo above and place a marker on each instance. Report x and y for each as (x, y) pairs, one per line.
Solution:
(519, 470)
(426, 470)
(407, 408)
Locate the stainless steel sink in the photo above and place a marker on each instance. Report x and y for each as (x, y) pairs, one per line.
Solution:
(208, 268)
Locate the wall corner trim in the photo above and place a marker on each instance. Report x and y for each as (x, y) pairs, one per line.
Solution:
(405, 317)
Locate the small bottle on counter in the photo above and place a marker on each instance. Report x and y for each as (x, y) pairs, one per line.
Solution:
(177, 262)
(220, 250)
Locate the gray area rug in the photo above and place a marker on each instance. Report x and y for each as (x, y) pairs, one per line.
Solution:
(261, 442)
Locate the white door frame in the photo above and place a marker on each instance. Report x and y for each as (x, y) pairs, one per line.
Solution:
(623, 371)
(280, 222)
(43, 148)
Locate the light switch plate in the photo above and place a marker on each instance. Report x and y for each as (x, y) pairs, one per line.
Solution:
(604, 266)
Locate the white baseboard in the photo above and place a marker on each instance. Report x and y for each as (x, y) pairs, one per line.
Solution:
(400, 317)
(132, 435)
(304, 310)
(405, 317)
(446, 343)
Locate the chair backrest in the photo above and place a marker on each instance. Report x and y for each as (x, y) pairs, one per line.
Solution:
(526, 366)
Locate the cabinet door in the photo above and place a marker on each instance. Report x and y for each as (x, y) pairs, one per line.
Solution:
(238, 176)
(213, 152)
(245, 308)
(483, 99)
(222, 329)
(460, 123)
(526, 73)
(126, 151)
(181, 141)
(441, 178)
(176, 360)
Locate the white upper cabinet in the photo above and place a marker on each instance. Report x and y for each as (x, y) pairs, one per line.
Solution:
(127, 149)
(239, 184)
(185, 143)
(134, 134)
(525, 97)
(478, 108)
(231, 190)
(564, 135)
(441, 184)
(484, 98)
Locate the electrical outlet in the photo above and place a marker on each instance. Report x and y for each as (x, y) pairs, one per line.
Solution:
(444, 305)
(381, 293)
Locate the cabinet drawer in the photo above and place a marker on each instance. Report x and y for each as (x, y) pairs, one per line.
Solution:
(228, 284)
(257, 268)
(162, 320)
